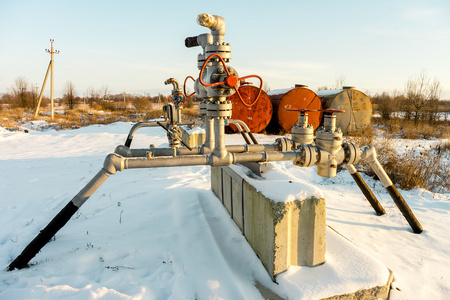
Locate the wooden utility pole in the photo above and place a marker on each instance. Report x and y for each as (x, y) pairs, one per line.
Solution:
(49, 69)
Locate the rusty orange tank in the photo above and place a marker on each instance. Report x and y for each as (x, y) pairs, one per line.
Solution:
(258, 116)
(299, 97)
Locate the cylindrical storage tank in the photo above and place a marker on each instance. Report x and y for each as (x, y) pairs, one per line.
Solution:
(298, 97)
(357, 106)
(256, 116)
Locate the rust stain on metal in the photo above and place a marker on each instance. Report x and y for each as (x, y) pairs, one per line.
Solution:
(258, 116)
(297, 98)
(357, 106)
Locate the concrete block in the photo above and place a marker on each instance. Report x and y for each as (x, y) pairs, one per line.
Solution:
(237, 203)
(216, 182)
(193, 137)
(281, 233)
(226, 192)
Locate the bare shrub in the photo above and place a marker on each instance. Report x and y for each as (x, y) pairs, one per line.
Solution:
(70, 95)
(141, 103)
(423, 95)
(387, 105)
(427, 169)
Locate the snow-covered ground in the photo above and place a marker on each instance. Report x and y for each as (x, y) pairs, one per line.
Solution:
(162, 234)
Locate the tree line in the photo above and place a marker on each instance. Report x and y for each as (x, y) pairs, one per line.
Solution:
(23, 95)
(419, 102)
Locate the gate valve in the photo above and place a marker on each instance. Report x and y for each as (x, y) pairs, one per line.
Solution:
(302, 132)
(230, 80)
(176, 97)
(329, 120)
(329, 144)
(302, 116)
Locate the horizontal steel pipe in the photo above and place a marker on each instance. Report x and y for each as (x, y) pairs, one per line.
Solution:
(266, 156)
(138, 125)
(163, 161)
(197, 150)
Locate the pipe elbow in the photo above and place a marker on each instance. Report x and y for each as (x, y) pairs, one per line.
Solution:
(174, 82)
(368, 154)
(204, 39)
(113, 163)
(123, 151)
(213, 22)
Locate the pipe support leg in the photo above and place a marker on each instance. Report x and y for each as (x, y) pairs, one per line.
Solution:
(366, 190)
(369, 156)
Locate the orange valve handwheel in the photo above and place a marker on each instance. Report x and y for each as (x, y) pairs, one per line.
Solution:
(231, 80)
(184, 87)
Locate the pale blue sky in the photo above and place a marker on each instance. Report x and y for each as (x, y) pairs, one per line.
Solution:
(134, 46)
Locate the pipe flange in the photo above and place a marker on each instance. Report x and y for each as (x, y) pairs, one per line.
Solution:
(308, 156)
(284, 144)
(202, 108)
(352, 153)
(222, 110)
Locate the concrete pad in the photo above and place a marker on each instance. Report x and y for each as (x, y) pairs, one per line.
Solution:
(348, 273)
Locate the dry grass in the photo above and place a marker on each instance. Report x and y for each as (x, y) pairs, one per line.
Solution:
(12, 119)
(408, 129)
(429, 169)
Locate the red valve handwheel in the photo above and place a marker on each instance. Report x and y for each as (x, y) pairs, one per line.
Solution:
(184, 87)
(230, 80)
(303, 110)
(332, 111)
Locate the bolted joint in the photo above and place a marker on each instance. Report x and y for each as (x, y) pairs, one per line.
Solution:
(113, 163)
(285, 144)
(308, 156)
(352, 153)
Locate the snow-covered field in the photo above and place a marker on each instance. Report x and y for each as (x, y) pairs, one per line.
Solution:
(162, 234)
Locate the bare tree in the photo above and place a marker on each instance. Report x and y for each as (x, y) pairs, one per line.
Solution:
(340, 82)
(69, 94)
(266, 87)
(323, 88)
(104, 92)
(422, 94)
(92, 95)
(387, 105)
(22, 97)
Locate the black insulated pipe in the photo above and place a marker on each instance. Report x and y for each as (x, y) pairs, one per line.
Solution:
(404, 209)
(368, 194)
(252, 137)
(128, 141)
(44, 237)
(190, 42)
